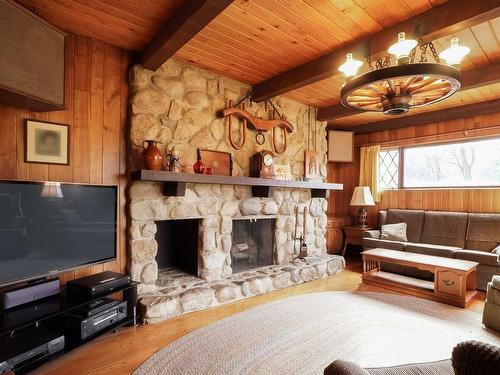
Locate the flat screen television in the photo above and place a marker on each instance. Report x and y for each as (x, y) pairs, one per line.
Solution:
(47, 228)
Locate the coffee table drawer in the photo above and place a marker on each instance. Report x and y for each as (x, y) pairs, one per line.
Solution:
(449, 282)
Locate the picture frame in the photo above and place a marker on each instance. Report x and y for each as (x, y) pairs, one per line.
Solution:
(340, 146)
(220, 162)
(283, 171)
(46, 142)
(311, 164)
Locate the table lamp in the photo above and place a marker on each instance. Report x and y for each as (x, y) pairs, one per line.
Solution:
(362, 198)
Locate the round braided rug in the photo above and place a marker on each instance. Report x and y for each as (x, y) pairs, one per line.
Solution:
(303, 334)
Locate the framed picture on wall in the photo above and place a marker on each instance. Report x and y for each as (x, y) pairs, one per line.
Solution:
(46, 142)
(340, 146)
(217, 161)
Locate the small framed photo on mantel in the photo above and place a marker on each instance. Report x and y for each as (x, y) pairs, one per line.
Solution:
(46, 143)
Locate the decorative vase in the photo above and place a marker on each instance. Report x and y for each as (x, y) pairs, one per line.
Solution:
(199, 167)
(152, 155)
(209, 170)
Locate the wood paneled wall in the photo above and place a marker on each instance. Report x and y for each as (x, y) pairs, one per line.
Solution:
(468, 200)
(96, 99)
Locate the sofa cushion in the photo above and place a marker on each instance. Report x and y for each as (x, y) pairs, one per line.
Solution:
(394, 232)
(414, 220)
(372, 243)
(482, 232)
(445, 228)
(371, 233)
(481, 257)
(431, 249)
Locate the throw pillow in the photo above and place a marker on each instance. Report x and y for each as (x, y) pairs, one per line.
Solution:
(496, 250)
(394, 232)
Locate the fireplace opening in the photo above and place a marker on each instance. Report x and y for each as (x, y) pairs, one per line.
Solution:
(252, 244)
(178, 244)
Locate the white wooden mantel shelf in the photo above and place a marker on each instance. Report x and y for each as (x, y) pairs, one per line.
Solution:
(174, 184)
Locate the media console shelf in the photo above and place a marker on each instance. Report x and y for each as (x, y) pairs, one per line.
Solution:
(26, 319)
(174, 184)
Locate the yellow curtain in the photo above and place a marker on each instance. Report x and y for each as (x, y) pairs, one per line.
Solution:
(368, 170)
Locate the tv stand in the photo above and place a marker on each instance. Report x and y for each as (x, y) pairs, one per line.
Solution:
(26, 318)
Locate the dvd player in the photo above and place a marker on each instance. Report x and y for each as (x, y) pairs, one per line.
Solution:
(20, 353)
(89, 287)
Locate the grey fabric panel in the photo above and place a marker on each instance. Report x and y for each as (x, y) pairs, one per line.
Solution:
(495, 281)
(491, 316)
(477, 256)
(483, 232)
(407, 271)
(371, 234)
(430, 249)
(484, 275)
(445, 228)
(340, 367)
(493, 295)
(429, 368)
(371, 243)
(414, 219)
(382, 218)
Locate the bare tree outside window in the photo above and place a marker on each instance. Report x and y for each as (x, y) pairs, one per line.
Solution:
(472, 163)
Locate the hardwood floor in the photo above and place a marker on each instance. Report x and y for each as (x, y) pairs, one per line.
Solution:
(122, 352)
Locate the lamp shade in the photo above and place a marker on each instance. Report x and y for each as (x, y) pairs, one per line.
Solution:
(362, 197)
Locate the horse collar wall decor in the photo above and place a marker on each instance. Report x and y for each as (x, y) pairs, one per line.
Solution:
(258, 124)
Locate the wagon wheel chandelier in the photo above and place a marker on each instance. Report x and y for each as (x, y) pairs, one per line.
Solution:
(396, 89)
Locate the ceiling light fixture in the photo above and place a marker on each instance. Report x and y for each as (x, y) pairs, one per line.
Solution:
(350, 67)
(402, 48)
(396, 89)
(455, 54)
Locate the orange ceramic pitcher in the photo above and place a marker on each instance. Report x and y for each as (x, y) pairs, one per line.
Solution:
(152, 155)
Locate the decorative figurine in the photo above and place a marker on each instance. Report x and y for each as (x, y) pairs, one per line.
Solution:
(174, 164)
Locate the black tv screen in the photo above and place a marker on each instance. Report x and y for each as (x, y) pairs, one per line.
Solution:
(47, 228)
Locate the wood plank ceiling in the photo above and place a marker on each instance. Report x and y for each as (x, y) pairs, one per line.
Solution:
(254, 40)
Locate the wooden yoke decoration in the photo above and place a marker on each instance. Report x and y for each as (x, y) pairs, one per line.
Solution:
(260, 125)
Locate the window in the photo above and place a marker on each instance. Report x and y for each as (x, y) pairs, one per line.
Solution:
(460, 164)
(471, 163)
(388, 169)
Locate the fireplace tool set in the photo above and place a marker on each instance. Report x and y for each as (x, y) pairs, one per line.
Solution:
(302, 253)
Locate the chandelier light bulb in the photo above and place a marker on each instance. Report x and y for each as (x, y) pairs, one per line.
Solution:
(402, 48)
(455, 54)
(350, 67)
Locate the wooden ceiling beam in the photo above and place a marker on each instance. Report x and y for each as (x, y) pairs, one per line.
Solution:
(188, 21)
(441, 21)
(471, 79)
(448, 114)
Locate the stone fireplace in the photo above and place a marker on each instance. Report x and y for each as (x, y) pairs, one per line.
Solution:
(217, 243)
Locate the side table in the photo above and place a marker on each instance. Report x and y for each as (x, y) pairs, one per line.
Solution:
(353, 235)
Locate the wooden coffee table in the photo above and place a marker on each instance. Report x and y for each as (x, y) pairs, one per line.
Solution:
(454, 279)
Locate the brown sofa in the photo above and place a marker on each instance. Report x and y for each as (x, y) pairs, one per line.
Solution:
(459, 235)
